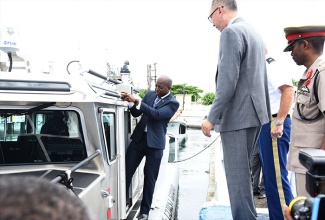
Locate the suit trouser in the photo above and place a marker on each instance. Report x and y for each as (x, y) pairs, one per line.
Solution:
(274, 162)
(157, 195)
(237, 150)
(134, 155)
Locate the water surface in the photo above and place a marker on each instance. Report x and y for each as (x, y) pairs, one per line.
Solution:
(194, 174)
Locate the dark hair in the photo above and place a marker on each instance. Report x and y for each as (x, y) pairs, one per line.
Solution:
(31, 198)
(317, 43)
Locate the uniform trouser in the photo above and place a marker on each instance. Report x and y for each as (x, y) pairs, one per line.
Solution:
(274, 160)
(256, 167)
(301, 185)
(134, 156)
(237, 149)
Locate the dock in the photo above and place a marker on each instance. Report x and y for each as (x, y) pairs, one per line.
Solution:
(195, 116)
(217, 205)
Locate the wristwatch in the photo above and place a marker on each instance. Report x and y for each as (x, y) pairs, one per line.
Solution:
(277, 122)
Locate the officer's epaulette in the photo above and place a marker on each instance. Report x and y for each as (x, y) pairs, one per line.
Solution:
(321, 67)
(270, 60)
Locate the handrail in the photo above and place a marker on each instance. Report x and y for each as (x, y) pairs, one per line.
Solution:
(94, 73)
(176, 145)
(80, 164)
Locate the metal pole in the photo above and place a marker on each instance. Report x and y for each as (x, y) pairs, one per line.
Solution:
(155, 73)
(80, 164)
(149, 76)
(184, 91)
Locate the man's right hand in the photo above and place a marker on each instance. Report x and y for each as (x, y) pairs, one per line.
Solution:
(127, 97)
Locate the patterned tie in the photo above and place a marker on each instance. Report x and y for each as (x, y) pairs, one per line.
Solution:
(156, 101)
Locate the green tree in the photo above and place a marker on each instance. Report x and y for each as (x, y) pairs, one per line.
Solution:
(193, 90)
(208, 98)
(295, 82)
(142, 92)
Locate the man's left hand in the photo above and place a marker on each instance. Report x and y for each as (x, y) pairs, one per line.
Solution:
(207, 127)
(287, 214)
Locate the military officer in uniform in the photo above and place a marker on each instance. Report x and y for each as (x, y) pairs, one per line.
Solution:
(308, 121)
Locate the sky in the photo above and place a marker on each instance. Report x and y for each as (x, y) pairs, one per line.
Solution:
(174, 34)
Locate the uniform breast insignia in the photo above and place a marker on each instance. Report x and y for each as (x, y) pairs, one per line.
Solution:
(304, 90)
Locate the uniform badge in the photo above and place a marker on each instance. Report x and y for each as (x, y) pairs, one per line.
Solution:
(304, 90)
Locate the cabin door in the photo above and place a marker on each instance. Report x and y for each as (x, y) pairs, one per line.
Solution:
(109, 125)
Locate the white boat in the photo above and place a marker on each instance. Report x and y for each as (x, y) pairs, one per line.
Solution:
(178, 129)
(90, 151)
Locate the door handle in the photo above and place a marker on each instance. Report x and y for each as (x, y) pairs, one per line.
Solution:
(105, 193)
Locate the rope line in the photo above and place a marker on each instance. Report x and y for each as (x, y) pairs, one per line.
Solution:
(209, 145)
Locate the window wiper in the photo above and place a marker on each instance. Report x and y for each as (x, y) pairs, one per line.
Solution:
(36, 108)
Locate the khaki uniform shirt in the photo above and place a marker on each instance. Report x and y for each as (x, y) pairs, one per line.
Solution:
(308, 133)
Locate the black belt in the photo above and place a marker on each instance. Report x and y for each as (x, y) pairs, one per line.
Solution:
(276, 115)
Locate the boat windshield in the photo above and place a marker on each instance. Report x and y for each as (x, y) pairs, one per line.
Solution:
(43, 136)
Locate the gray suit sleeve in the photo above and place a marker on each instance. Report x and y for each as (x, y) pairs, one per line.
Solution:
(230, 55)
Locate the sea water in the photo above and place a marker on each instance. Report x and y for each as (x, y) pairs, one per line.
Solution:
(194, 159)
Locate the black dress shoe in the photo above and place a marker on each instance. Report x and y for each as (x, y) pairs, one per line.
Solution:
(261, 196)
(257, 193)
(143, 217)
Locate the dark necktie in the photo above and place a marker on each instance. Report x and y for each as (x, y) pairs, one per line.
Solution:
(156, 101)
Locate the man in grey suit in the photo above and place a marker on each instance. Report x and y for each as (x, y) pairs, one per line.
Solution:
(241, 105)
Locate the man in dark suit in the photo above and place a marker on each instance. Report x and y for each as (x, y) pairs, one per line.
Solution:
(241, 105)
(149, 136)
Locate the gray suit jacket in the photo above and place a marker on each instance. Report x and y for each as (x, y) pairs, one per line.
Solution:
(242, 98)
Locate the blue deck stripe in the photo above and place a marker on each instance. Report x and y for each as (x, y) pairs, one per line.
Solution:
(220, 212)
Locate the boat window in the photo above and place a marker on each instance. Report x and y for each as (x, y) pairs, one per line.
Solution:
(44, 136)
(109, 129)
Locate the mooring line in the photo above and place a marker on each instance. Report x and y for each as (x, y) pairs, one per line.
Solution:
(198, 152)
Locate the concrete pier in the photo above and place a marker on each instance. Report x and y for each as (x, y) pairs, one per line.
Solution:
(217, 204)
